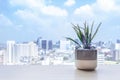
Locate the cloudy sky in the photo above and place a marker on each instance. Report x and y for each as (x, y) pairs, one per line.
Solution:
(26, 20)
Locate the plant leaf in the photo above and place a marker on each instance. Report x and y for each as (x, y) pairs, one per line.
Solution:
(73, 41)
(96, 31)
(90, 35)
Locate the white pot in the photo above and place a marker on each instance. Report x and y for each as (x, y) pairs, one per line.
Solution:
(86, 59)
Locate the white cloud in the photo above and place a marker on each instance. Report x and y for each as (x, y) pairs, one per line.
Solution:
(101, 9)
(85, 10)
(69, 3)
(40, 7)
(27, 3)
(25, 14)
(54, 11)
(4, 21)
(29, 17)
(107, 5)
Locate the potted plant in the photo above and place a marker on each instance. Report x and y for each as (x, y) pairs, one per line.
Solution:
(85, 53)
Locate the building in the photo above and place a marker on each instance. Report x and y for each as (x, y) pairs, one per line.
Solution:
(39, 42)
(18, 53)
(50, 45)
(118, 41)
(117, 51)
(9, 57)
(25, 52)
(64, 45)
(101, 55)
(2, 53)
(44, 44)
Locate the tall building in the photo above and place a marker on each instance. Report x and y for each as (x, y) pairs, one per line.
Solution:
(39, 41)
(18, 52)
(44, 44)
(117, 53)
(25, 52)
(21, 50)
(64, 45)
(33, 49)
(50, 45)
(118, 41)
(10, 54)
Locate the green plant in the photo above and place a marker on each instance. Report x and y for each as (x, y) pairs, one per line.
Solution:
(85, 34)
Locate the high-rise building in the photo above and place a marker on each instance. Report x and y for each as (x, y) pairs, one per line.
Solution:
(39, 41)
(17, 52)
(44, 44)
(117, 53)
(22, 51)
(33, 49)
(118, 41)
(64, 45)
(25, 52)
(10, 54)
(50, 45)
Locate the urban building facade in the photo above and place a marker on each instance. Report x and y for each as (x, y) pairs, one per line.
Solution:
(20, 53)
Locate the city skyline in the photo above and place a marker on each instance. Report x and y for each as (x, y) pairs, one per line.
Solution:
(43, 50)
(26, 20)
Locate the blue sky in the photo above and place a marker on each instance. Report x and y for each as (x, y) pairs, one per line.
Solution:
(26, 20)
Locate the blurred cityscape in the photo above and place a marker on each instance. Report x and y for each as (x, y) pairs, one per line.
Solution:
(45, 52)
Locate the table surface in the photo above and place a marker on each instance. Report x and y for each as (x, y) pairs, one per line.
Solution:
(58, 72)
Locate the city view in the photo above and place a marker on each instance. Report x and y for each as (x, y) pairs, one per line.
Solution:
(45, 52)
(34, 31)
(59, 39)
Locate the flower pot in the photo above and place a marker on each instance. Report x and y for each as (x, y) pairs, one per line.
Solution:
(86, 59)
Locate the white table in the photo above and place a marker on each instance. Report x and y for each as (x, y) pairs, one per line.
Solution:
(59, 72)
